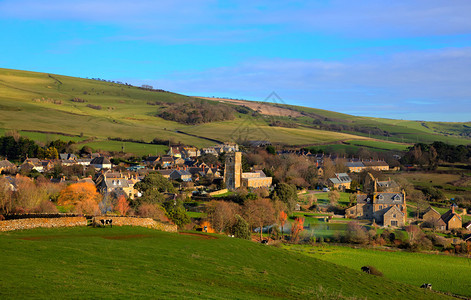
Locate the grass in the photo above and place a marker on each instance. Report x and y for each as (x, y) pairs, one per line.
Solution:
(41, 102)
(445, 273)
(143, 263)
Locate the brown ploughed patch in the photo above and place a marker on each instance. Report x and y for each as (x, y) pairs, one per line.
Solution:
(200, 235)
(126, 237)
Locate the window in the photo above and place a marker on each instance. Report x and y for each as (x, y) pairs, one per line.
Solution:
(393, 223)
(394, 215)
(380, 207)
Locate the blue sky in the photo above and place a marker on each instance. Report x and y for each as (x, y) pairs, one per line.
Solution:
(394, 59)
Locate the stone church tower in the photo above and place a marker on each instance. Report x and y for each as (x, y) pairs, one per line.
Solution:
(233, 170)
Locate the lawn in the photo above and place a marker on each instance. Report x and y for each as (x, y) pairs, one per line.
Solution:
(143, 263)
(445, 273)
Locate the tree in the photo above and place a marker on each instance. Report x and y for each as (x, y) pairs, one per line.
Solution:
(81, 197)
(153, 211)
(260, 213)
(282, 217)
(296, 228)
(356, 233)
(122, 206)
(221, 214)
(334, 197)
(152, 187)
(286, 193)
(52, 153)
(176, 212)
(241, 229)
(6, 196)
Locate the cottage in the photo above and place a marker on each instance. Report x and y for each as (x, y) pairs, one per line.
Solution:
(100, 163)
(452, 219)
(433, 219)
(341, 181)
(6, 166)
(182, 175)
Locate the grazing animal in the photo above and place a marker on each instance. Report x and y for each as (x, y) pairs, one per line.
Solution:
(106, 222)
(264, 242)
(366, 269)
(426, 286)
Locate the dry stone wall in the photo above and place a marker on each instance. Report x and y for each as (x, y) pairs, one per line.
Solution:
(30, 223)
(142, 222)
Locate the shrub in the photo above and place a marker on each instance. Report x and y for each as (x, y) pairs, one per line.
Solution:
(153, 211)
(374, 271)
(241, 229)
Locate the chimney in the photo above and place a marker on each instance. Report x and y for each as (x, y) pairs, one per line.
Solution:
(453, 208)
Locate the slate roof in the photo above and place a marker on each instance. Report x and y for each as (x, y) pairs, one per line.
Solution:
(389, 198)
(6, 164)
(355, 164)
(100, 161)
(446, 217)
(341, 178)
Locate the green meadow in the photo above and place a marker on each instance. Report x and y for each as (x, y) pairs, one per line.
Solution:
(39, 105)
(126, 262)
(445, 273)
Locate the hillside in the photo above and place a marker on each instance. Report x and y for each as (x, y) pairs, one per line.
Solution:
(144, 263)
(91, 112)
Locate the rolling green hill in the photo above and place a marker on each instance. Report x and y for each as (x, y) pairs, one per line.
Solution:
(143, 263)
(39, 105)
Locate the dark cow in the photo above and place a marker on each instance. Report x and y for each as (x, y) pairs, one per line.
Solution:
(427, 286)
(366, 269)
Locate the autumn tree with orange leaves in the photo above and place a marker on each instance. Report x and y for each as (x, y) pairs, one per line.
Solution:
(123, 206)
(296, 229)
(81, 198)
(282, 219)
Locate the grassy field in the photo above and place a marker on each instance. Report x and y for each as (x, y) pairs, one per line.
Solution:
(42, 102)
(137, 262)
(446, 273)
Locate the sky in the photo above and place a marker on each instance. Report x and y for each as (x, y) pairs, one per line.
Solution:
(390, 59)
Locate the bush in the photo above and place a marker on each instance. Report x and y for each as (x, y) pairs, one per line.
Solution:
(373, 270)
(241, 228)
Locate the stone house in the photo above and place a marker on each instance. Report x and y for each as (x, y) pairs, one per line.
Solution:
(452, 219)
(433, 218)
(182, 175)
(7, 166)
(341, 181)
(101, 163)
(380, 207)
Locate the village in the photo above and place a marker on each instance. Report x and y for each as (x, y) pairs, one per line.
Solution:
(331, 199)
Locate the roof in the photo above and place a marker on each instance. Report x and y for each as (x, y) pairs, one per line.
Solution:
(116, 183)
(100, 161)
(429, 209)
(6, 164)
(467, 225)
(67, 156)
(446, 217)
(341, 178)
(357, 164)
(389, 198)
(393, 209)
(387, 184)
(165, 172)
(375, 164)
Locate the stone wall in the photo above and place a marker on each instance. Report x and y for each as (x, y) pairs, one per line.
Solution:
(20, 224)
(132, 221)
(30, 223)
